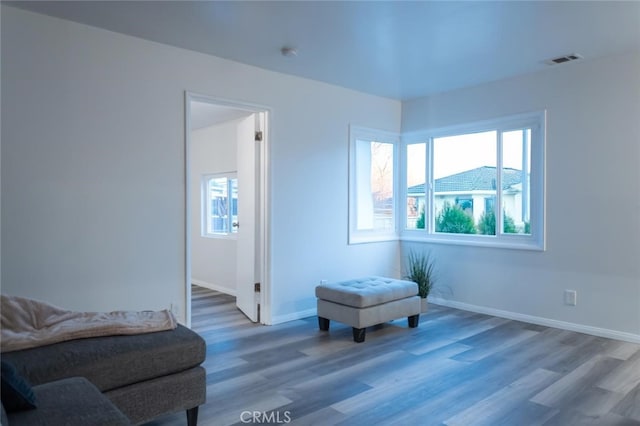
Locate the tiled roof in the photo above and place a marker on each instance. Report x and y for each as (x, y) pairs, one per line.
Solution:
(479, 179)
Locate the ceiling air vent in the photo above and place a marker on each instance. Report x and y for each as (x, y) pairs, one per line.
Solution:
(563, 59)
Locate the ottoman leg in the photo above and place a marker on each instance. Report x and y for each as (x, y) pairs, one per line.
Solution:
(323, 323)
(413, 320)
(358, 334)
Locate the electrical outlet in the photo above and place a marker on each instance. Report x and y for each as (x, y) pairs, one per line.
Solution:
(570, 297)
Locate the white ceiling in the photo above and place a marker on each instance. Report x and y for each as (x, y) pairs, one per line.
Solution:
(396, 49)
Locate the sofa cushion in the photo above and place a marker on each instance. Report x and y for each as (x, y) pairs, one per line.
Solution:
(70, 402)
(162, 395)
(16, 391)
(367, 291)
(4, 420)
(113, 361)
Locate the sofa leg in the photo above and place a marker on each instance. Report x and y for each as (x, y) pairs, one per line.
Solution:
(413, 320)
(358, 334)
(323, 323)
(192, 416)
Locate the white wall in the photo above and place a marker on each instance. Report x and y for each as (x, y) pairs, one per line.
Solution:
(93, 177)
(213, 260)
(593, 203)
(93, 182)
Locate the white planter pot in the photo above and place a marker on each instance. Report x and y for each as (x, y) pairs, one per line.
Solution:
(424, 305)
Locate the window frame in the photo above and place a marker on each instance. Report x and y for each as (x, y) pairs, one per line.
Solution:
(205, 211)
(358, 236)
(536, 240)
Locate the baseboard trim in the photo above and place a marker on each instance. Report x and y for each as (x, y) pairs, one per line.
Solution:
(210, 286)
(564, 325)
(279, 319)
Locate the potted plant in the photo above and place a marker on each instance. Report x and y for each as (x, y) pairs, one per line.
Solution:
(420, 270)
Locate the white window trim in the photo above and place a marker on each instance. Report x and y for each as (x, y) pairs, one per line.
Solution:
(357, 236)
(534, 241)
(204, 211)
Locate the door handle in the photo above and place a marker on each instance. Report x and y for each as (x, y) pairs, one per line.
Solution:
(235, 225)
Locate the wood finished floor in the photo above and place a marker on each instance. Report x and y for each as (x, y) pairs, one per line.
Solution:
(456, 368)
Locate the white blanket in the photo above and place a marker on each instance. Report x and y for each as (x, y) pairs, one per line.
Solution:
(28, 323)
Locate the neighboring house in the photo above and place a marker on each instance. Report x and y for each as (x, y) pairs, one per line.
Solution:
(474, 191)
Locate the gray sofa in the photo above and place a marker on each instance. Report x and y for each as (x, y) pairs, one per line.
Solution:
(73, 401)
(143, 376)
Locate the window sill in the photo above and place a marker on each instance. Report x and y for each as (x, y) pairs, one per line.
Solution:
(220, 236)
(363, 238)
(511, 243)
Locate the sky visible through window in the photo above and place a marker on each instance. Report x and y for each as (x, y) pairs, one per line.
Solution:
(455, 154)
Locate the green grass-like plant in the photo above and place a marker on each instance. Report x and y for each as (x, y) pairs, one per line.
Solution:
(420, 270)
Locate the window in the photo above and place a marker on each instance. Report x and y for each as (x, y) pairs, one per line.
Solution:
(416, 177)
(372, 185)
(481, 183)
(219, 205)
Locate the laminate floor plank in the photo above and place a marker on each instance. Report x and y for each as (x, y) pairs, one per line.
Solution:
(313, 397)
(624, 377)
(595, 401)
(455, 368)
(441, 333)
(494, 345)
(526, 413)
(629, 407)
(397, 384)
(622, 350)
(575, 417)
(492, 409)
(571, 386)
(322, 417)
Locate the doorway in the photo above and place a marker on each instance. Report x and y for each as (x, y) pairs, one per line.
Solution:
(225, 204)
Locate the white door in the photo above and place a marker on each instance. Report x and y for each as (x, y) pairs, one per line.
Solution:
(248, 181)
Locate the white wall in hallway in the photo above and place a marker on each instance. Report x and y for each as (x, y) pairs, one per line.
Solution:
(213, 260)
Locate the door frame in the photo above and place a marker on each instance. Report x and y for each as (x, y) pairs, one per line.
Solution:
(262, 221)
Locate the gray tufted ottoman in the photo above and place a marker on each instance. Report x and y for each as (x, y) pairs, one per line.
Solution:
(367, 301)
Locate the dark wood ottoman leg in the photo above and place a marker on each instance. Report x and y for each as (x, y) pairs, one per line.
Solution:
(192, 416)
(358, 334)
(413, 320)
(323, 323)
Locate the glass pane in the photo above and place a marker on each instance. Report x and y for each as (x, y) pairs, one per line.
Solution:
(516, 166)
(465, 177)
(416, 172)
(382, 184)
(233, 189)
(374, 185)
(218, 202)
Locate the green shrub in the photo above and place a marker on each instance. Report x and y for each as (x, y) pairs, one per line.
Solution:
(453, 220)
(509, 225)
(421, 219)
(487, 224)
